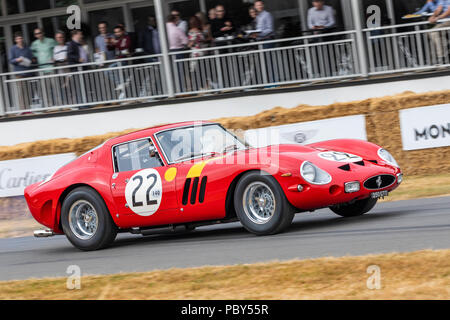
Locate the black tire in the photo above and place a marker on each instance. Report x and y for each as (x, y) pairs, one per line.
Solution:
(283, 210)
(355, 209)
(106, 230)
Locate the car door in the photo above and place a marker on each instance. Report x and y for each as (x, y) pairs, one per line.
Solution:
(143, 188)
(200, 194)
(198, 198)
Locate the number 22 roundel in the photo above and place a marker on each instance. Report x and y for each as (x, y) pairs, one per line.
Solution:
(144, 192)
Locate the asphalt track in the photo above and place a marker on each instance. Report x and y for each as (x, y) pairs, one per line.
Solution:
(391, 227)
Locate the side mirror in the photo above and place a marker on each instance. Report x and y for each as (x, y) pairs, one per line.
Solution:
(153, 152)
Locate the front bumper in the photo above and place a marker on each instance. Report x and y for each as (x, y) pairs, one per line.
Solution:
(312, 197)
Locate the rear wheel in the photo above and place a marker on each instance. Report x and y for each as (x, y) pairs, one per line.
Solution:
(86, 221)
(261, 205)
(355, 209)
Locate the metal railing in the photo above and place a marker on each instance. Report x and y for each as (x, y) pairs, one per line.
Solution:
(324, 57)
(407, 47)
(278, 62)
(83, 85)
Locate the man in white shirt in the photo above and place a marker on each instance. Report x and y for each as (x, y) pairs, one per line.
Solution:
(180, 23)
(60, 50)
(177, 38)
(321, 16)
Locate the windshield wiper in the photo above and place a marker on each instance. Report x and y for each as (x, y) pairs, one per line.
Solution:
(195, 155)
(230, 148)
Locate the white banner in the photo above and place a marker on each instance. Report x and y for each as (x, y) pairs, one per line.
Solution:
(16, 175)
(353, 127)
(426, 127)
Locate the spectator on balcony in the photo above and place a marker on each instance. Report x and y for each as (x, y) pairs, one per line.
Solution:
(429, 7)
(121, 43)
(76, 53)
(252, 13)
(196, 37)
(103, 40)
(212, 14)
(149, 38)
(440, 38)
(196, 43)
(177, 42)
(180, 23)
(177, 38)
(42, 48)
(221, 26)
(20, 56)
(59, 85)
(264, 24)
(60, 50)
(321, 17)
(205, 26)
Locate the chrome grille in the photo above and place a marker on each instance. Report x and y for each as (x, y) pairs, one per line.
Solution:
(379, 182)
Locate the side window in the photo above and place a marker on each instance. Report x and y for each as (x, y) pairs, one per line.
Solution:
(135, 156)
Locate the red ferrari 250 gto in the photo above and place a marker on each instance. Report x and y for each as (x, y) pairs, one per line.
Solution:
(192, 174)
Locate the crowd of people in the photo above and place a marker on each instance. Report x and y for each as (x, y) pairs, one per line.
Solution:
(199, 31)
(192, 35)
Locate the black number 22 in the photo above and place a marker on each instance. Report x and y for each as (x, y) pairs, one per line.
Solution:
(141, 181)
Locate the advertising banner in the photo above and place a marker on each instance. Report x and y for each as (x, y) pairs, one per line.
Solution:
(353, 127)
(16, 175)
(425, 128)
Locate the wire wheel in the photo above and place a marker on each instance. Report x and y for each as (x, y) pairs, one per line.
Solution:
(83, 220)
(259, 202)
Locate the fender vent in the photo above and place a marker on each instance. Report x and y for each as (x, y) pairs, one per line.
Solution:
(187, 186)
(190, 194)
(345, 168)
(194, 190)
(201, 197)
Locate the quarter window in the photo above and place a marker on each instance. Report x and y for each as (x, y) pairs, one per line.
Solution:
(135, 156)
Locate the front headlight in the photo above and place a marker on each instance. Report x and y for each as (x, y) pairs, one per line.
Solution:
(386, 156)
(313, 174)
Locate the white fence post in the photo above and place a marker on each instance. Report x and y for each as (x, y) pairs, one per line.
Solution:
(164, 46)
(2, 101)
(362, 52)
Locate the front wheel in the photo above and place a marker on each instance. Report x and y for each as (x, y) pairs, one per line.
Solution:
(86, 221)
(261, 205)
(355, 209)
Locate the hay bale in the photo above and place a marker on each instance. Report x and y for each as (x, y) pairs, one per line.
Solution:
(382, 122)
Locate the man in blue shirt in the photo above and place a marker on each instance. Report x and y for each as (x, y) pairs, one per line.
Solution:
(429, 7)
(20, 56)
(321, 16)
(442, 11)
(102, 41)
(440, 38)
(265, 26)
(264, 22)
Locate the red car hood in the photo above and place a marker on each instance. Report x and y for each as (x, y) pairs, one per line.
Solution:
(298, 154)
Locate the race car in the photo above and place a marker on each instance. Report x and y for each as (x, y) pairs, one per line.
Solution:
(191, 174)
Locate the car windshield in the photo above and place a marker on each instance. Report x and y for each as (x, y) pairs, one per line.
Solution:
(197, 141)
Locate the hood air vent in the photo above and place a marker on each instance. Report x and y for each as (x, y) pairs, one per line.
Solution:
(345, 167)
